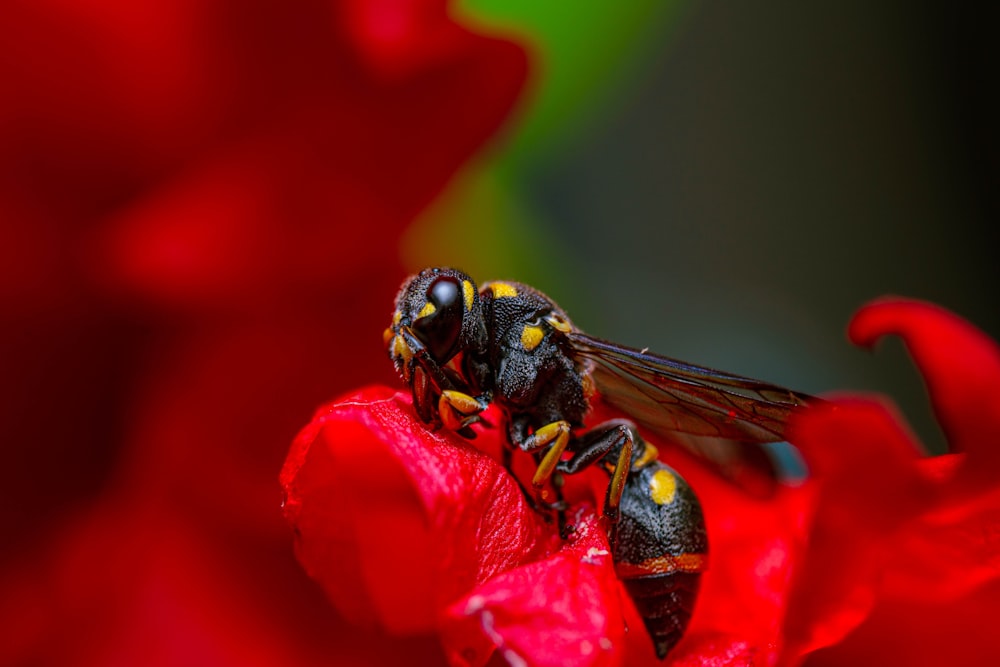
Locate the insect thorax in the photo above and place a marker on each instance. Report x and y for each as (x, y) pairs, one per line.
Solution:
(533, 374)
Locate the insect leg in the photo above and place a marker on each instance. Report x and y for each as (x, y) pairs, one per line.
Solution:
(556, 437)
(611, 442)
(519, 437)
(423, 358)
(458, 410)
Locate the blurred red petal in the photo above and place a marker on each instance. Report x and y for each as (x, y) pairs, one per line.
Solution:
(100, 98)
(960, 364)
(244, 231)
(947, 551)
(754, 547)
(862, 462)
(400, 37)
(562, 610)
(230, 397)
(126, 584)
(957, 633)
(232, 155)
(396, 522)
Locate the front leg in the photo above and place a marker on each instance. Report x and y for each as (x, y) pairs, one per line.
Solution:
(458, 410)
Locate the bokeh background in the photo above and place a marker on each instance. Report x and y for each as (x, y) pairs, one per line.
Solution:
(727, 184)
(206, 208)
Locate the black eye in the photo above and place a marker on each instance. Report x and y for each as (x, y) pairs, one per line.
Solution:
(445, 293)
(440, 329)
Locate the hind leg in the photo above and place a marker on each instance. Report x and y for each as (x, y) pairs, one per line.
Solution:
(612, 444)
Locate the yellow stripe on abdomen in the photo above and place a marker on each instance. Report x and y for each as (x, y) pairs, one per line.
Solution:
(689, 562)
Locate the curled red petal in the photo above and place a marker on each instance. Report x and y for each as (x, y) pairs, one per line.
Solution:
(960, 364)
(562, 610)
(396, 522)
(889, 525)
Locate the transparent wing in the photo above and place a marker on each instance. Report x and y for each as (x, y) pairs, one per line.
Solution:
(720, 417)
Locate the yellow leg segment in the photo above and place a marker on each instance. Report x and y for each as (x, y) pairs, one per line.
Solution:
(618, 477)
(555, 434)
(457, 410)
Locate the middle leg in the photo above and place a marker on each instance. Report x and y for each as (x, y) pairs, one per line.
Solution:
(612, 444)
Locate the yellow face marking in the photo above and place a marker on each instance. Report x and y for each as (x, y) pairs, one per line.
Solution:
(469, 292)
(663, 487)
(503, 290)
(531, 336)
(396, 317)
(428, 309)
(401, 350)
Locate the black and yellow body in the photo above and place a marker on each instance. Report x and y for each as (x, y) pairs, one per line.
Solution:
(661, 550)
(657, 534)
(460, 349)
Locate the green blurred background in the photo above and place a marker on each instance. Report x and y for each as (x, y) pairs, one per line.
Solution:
(726, 183)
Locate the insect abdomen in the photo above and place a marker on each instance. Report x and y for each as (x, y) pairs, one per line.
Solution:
(665, 602)
(660, 551)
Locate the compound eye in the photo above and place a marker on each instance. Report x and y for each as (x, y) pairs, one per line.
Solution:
(445, 293)
(440, 328)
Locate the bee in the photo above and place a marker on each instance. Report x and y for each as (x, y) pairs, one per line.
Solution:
(460, 349)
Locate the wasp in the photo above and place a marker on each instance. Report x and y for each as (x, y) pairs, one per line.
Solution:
(460, 348)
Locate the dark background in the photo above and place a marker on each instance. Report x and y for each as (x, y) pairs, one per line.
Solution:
(765, 169)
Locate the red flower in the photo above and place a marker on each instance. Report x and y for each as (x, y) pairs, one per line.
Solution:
(422, 532)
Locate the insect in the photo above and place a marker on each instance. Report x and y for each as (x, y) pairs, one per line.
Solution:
(460, 349)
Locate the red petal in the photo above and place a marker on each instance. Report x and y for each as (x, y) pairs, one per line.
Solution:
(399, 37)
(959, 633)
(397, 522)
(960, 364)
(210, 397)
(863, 463)
(563, 610)
(718, 650)
(948, 551)
(127, 584)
